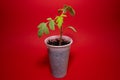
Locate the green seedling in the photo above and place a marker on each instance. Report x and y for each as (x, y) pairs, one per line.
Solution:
(45, 27)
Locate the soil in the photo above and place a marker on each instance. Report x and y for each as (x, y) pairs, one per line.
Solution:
(55, 42)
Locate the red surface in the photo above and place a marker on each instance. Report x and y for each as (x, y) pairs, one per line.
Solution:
(95, 53)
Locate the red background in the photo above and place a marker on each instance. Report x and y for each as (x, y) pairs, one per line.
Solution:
(95, 53)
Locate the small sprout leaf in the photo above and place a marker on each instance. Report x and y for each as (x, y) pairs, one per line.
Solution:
(41, 25)
(46, 30)
(71, 11)
(63, 15)
(42, 29)
(59, 21)
(49, 19)
(40, 32)
(52, 25)
(72, 28)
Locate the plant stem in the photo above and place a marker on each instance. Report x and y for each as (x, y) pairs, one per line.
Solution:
(60, 37)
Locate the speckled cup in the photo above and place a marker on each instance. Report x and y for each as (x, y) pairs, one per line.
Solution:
(59, 56)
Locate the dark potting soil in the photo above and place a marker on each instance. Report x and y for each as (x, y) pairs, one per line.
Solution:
(55, 42)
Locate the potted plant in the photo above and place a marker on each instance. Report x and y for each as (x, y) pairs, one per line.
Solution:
(58, 45)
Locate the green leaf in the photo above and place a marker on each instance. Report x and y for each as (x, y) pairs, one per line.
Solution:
(42, 29)
(70, 9)
(40, 32)
(41, 24)
(52, 25)
(59, 21)
(72, 28)
(46, 30)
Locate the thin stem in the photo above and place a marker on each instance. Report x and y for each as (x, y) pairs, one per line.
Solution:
(60, 43)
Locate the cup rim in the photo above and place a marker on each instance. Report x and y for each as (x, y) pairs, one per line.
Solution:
(56, 36)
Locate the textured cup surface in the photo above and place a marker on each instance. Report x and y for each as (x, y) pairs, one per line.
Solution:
(58, 57)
